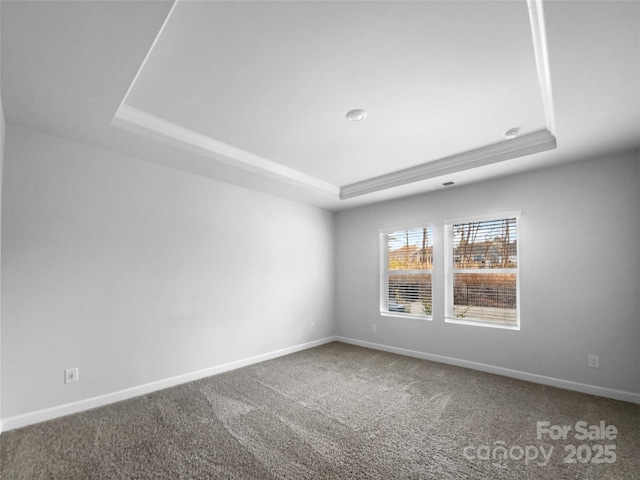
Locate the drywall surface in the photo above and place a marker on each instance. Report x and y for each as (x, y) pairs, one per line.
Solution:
(135, 273)
(2, 136)
(579, 273)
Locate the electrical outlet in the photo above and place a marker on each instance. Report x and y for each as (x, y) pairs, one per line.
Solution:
(374, 327)
(313, 325)
(594, 361)
(71, 375)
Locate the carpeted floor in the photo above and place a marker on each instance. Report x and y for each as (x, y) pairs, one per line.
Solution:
(332, 412)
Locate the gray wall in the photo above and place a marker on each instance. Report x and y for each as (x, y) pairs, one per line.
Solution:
(135, 273)
(2, 136)
(579, 273)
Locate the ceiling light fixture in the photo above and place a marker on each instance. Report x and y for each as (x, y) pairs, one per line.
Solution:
(511, 133)
(356, 115)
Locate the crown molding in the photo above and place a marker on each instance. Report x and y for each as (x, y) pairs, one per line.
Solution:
(539, 36)
(535, 142)
(149, 125)
(146, 57)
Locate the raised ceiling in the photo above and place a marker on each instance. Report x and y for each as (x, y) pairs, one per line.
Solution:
(268, 86)
(256, 93)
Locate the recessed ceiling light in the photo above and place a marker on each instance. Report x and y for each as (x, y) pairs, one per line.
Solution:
(356, 115)
(511, 133)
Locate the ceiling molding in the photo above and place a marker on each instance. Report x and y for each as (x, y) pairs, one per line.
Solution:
(144, 123)
(539, 34)
(535, 142)
(146, 57)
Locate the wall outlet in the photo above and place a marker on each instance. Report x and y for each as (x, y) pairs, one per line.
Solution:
(374, 327)
(594, 361)
(71, 375)
(313, 325)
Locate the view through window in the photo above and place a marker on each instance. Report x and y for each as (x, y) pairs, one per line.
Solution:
(406, 271)
(482, 271)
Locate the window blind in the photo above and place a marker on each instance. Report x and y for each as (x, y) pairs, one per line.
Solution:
(406, 271)
(483, 271)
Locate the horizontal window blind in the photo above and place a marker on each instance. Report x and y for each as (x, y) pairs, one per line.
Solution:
(489, 244)
(406, 271)
(484, 271)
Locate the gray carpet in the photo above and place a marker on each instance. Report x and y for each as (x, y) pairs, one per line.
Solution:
(332, 412)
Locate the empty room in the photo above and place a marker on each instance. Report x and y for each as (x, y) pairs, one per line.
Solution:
(320, 239)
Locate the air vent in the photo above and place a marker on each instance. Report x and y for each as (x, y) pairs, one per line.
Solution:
(448, 184)
(512, 133)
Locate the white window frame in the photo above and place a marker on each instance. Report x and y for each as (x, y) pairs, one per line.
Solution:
(385, 272)
(449, 270)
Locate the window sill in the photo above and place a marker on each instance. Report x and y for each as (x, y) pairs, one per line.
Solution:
(406, 315)
(481, 323)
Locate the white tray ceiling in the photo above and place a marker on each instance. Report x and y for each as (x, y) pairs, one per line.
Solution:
(268, 84)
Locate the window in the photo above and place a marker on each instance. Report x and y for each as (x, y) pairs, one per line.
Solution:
(406, 263)
(481, 267)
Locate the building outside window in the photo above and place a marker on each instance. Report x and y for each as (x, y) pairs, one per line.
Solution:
(406, 270)
(482, 271)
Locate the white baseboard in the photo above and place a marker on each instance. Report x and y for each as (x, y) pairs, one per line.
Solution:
(38, 416)
(506, 372)
(102, 400)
